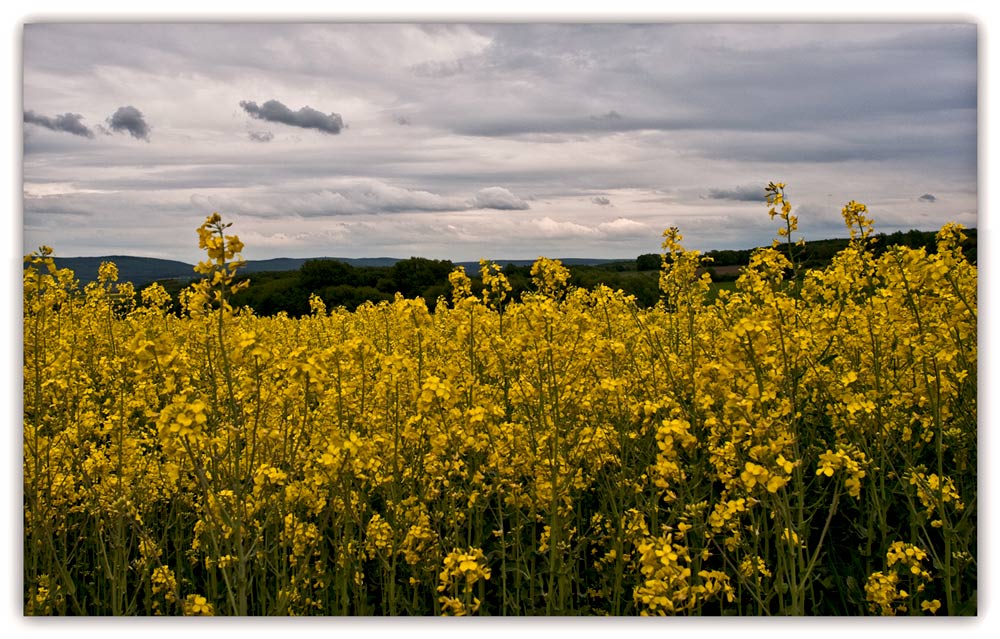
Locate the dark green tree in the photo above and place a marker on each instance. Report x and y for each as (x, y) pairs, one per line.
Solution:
(411, 277)
(317, 274)
(648, 262)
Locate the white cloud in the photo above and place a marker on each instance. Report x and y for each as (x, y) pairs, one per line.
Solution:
(549, 228)
(615, 229)
(623, 227)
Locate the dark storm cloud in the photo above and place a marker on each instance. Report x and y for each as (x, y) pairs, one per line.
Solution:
(67, 122)
(601, 200)
(747, 193)
(927, 197)
(129, 119)
(306, 117)
(260, 136)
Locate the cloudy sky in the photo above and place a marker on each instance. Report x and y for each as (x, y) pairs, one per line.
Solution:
(464, 141)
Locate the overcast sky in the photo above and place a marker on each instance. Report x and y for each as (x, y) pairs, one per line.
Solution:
(464, 141)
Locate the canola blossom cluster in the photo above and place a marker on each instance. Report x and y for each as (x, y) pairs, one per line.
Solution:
(803, 444)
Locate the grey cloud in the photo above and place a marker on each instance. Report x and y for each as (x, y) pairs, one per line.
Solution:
(129, 119)
(951, 139)
(260, 136)
(380, 197)
(305, 118)
(364, 197)
(927, 197)
(67, 122)
(503, 124)
(601, 200)
(689, 81)
(438, 69)
(499, 198)
(355, 197)
(58, 205)
(104, 208)
(747, 193)
(610, 115)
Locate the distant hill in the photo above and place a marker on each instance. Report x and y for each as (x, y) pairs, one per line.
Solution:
(138, 270)
(473, 267)
(294, 263)
(145, 270)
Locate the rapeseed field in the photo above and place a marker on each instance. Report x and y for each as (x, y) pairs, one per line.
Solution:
(805, 444)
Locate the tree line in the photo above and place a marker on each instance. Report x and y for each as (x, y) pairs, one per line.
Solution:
(340, 284)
